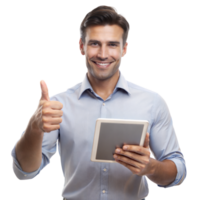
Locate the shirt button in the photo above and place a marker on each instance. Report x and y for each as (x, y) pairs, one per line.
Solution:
(104, 104)
(104, 169)
(24, 174)
(103, 191)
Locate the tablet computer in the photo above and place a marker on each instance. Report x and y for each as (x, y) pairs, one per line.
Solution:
(112, 133)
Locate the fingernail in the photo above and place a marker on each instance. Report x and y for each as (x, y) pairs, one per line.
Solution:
(125, 147)
(117, 151)
(115, 156)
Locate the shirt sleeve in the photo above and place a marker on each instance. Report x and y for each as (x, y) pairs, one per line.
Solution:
(163, 140)
(49, 145)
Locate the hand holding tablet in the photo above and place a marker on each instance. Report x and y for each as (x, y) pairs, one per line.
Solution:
(113, 133)
(125, 142)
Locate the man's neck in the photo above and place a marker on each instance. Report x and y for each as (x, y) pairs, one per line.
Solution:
(104, 88)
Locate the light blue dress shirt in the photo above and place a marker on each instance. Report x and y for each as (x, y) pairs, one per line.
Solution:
(89, 180)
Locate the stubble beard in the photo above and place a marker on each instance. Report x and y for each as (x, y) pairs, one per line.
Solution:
(102, 76)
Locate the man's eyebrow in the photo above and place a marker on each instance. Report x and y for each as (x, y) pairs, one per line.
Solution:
(114, 42)
(90, 41)
(96, 41)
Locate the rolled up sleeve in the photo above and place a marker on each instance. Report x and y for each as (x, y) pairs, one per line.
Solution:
(20, 173)
(163, 140)
(49, 145)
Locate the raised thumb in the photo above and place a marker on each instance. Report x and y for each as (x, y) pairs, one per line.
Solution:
(45, 93)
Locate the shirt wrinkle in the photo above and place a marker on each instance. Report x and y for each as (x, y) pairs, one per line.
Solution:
(89, 180)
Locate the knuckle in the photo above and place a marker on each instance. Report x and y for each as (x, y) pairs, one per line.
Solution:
(126, 159)
(44, 112)
(44, 120)
(119, 157)
(46, 104)
(142, 166)
(131, 157)
(45, 127)
(139, 149)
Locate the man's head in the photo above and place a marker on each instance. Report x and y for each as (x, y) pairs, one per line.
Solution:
(104, 15)
(103, 40)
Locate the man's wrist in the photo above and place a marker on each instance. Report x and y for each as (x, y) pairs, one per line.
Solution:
(152, 167)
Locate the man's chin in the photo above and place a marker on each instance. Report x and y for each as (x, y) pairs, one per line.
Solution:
(102, 76)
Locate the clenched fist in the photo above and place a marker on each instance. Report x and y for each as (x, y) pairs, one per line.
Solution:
(48, 114)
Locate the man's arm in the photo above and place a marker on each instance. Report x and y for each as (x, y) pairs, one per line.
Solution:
(46, 119)
(138, 160)
(164, 172)
(169, 167)
(29, 149)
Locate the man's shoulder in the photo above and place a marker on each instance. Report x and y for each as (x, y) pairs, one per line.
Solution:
(136, 88)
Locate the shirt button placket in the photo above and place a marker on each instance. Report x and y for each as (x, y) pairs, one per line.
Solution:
(104, 166)
(103, 110)
(104, 180)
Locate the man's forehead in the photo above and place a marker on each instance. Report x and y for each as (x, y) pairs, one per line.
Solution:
(104, 33)
(105, 28)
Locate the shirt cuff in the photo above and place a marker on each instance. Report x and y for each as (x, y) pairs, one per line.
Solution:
(181, 173)
(18, 170)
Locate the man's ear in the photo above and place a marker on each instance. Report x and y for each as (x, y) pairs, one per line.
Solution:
(81, 46)
(125, 49)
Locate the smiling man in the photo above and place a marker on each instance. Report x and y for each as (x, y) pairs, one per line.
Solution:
(70, 117)
(103, 49)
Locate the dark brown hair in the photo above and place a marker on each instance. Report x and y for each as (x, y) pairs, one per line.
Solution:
(104, 15)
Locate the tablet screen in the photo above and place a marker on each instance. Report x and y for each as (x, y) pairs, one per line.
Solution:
(114, 135)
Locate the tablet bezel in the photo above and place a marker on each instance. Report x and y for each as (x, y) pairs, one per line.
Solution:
(107, 120)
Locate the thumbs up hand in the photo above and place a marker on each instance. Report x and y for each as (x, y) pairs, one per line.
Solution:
(48, 114)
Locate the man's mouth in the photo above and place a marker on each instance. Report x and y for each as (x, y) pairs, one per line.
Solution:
(102, 65)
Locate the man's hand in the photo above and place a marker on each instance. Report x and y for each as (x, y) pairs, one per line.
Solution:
(48, 114)
(46, 118)
(136, 158)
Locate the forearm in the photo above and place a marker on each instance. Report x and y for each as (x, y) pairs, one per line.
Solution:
(29, 148)
(163, 172)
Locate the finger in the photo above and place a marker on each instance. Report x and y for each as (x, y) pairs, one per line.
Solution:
(146, 142)
(135, 170)
(57, 113)
(136, 149)
(52, 121)
(45, 93)
(48, 128)
(129, 161)
(56, 105)
(52, 113)
(133, 156)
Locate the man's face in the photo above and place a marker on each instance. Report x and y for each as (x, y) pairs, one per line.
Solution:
(103, 49)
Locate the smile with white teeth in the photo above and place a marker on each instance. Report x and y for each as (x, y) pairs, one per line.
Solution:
(103, 63)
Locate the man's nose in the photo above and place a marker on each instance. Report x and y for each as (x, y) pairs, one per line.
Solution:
(103, 52)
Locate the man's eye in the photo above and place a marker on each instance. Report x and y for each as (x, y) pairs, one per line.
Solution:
(113, 45)
(94, 43)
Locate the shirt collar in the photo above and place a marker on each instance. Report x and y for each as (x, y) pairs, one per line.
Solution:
(122, 83)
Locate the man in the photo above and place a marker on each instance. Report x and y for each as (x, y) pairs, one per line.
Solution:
(69, 117)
